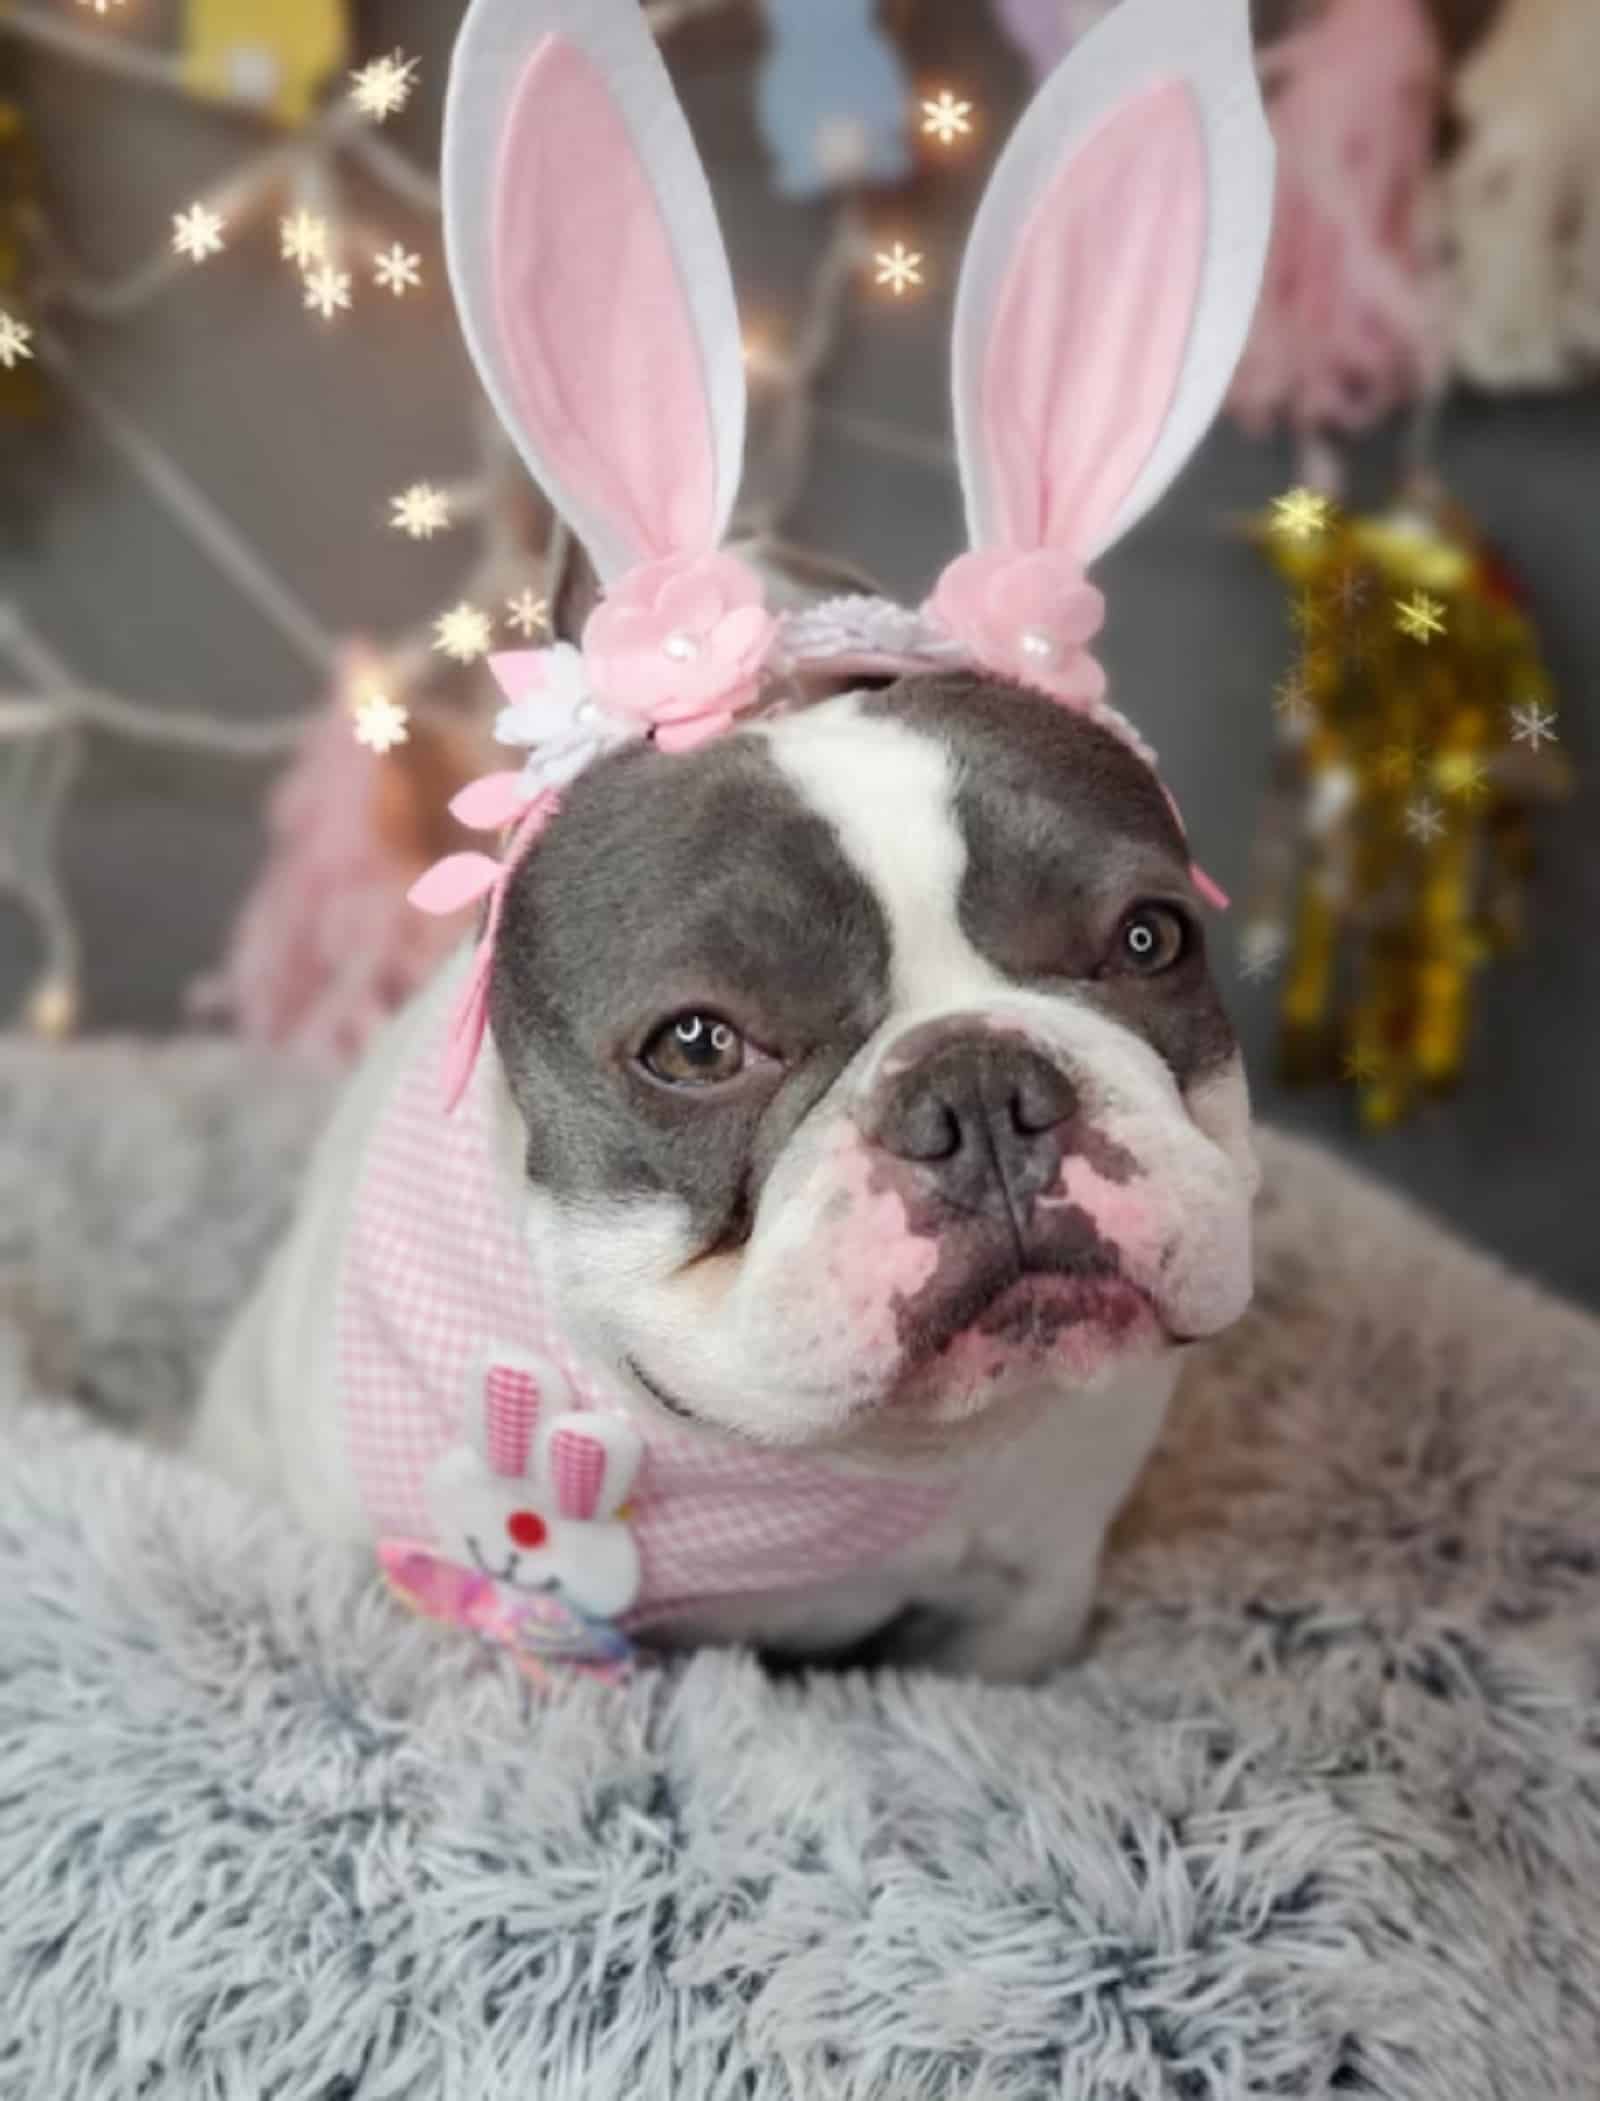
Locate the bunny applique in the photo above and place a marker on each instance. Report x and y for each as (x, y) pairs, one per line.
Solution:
(531, 1540)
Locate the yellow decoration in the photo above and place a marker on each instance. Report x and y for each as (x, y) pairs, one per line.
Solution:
(1396, 842)
(274, 55)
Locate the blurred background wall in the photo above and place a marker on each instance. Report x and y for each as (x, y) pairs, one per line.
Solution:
(199, 473)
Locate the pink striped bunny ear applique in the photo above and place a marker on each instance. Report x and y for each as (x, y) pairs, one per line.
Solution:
(518, 1391)
(591, 1461)
(1104, 301)
(590, 275)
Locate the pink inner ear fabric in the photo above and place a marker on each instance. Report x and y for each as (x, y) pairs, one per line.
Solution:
(578, 1466)
(599, 343)
(1093, 322)
(511, 1407)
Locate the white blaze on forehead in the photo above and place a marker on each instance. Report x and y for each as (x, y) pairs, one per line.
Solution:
(888, 791)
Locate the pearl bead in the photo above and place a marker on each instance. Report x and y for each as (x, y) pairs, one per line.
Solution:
(585, 711)
(1035, 643)
(681, 647)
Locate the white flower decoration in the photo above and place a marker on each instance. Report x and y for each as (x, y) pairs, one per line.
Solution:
(552, 714)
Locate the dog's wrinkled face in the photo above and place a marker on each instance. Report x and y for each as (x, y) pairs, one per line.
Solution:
(868, 1067)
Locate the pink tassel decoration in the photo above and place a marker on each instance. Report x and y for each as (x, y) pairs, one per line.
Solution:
(1351, 319)
(326, 946)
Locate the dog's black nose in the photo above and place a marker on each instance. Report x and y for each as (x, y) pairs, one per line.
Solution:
(983, 1115)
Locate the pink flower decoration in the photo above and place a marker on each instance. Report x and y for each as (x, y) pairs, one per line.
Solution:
(678, 645)
(1026, 616)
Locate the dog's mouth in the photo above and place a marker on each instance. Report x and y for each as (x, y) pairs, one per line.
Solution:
(1029, 1311)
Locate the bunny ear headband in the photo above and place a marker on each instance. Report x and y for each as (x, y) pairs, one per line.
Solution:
(1104, 301)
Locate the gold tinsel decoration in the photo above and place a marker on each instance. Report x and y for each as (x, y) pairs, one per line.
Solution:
(1417, 733)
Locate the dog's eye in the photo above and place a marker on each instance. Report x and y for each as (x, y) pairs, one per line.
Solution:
(695, 1050)
(1151, 939)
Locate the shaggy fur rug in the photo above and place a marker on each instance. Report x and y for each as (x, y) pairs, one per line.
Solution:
(1319, 1814)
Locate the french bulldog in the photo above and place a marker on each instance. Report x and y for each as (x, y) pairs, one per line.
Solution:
(854, 1105)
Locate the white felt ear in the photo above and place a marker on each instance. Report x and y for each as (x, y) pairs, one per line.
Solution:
(590, 275)
(1111, 276)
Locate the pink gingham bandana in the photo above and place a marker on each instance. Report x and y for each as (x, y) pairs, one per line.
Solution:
(439, 1287)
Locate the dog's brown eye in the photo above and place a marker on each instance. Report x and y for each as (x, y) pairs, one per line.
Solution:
(695, 1050)
(1152, 939)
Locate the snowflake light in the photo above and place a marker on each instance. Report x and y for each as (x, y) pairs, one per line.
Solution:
(420, 511)
(898, 268)
(197, 232)
(528, 614)
(381, 723)
(1261, 951)
(1460, 773)
(1424, 821)
(303, 239)
(1301, 515)
(945, 118)
(1419, 616)
(327, 290)
(397, 271)
(1292, 701)
(463, 633)
(384, 85)
(1533, 725)
(16, 339)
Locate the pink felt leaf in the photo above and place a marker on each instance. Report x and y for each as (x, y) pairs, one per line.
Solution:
(515, 670)
(1213, 893)
(456, 881)
(489, 804)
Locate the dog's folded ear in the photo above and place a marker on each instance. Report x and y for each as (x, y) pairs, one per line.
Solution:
(590, 275)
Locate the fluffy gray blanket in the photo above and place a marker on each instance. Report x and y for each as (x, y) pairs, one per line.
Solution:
(1319, 1815)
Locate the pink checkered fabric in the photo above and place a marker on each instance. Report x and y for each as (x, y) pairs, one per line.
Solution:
(436, 1276)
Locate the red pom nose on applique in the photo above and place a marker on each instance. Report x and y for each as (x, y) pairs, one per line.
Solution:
(527, 1529)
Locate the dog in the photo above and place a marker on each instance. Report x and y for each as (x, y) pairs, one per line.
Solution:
(857, 1140)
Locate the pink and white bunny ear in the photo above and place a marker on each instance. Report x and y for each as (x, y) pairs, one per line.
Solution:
(590, 1461)
(1110, 277)
(515, 1391)
(590, 274)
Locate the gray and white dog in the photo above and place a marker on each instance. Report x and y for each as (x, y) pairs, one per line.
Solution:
(858, 1074)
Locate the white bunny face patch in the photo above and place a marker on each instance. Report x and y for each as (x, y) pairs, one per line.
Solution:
(533, 1545)
(533, 1500)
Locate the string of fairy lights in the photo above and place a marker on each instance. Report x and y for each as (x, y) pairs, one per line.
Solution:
(337, 265)
(44, 727)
